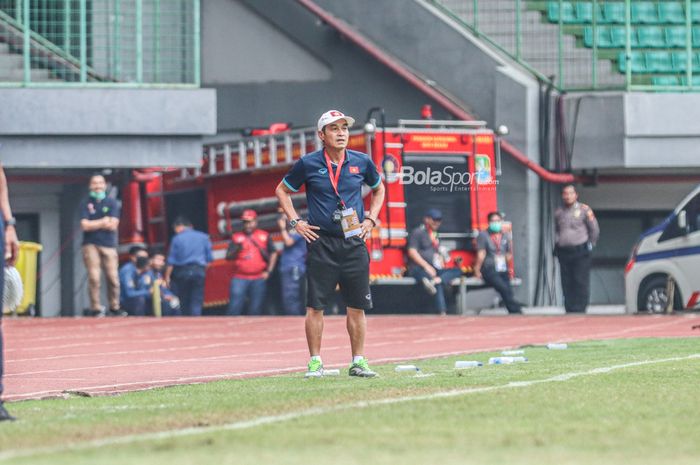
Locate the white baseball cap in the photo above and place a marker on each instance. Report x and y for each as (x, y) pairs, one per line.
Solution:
(331, 116)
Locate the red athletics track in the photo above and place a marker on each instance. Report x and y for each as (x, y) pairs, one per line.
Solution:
(49, 357)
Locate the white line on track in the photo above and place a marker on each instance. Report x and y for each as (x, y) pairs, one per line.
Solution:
(273, 419)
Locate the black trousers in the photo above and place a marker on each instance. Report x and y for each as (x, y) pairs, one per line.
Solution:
(575, 279)
(501, 282)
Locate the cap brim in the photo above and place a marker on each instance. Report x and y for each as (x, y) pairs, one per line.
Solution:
(350, 120)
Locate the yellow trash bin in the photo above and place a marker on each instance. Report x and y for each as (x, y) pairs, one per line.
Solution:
(27, 264)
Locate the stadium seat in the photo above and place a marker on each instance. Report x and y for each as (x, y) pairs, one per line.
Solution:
(584, 12)
(567, 12)
(659, 62)
(696, 37)
(610, 37)
(680, 62)
(676, 37)
(614, 13)
(665, 81)
(695, 12)
(638, 62)
(651, 37)
(671, 13)
(644, 13)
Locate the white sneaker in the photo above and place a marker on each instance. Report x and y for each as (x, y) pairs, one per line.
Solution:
(429, 286)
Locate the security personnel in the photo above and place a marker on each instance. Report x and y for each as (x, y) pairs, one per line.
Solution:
(135, 282)
(335, 232)
(577, 232)
(190, 254)
(8, 245)
(254, 258)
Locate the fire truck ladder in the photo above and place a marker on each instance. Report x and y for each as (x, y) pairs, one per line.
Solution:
(252, 153)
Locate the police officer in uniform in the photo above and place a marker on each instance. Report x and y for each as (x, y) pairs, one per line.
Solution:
(576, 234)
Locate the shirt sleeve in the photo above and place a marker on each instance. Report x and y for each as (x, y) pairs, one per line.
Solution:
(270, 246)
(482, 242)
(414, 240)
(592, 226)
(172, 254)
(372, 177)
(296, 176)
(207, 248)
(116, 209)
(84, 214)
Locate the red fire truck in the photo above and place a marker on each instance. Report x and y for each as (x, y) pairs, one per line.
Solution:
(450, 165)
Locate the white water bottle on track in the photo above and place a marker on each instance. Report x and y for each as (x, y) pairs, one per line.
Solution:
(557, 346)
(462, 364)
(406, 369)
(506, 360)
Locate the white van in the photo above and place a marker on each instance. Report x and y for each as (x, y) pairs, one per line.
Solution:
(669, 250)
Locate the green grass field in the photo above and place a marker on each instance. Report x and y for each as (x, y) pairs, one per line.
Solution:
(599, 402)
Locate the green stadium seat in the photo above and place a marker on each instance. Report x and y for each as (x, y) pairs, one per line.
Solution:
(696, 37)
(567, 12)
(638, 62)
(676, 36)
(695, 12)
(644, 13)
(665, 81)
(659, 62)
(695, 81)
(680, 62)
(619, 37)
(614, 13)
(671, 13)
(651, 37)
(584, 12)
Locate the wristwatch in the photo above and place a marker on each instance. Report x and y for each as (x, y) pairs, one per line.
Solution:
(293, 223)
(12, 221)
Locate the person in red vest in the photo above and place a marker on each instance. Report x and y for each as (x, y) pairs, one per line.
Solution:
(254, 257)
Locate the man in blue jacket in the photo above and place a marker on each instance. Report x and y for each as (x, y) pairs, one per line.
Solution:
(135, 282)
(190, 254)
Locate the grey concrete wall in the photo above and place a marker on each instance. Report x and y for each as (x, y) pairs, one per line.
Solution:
(94, 111)
(341, 75)
(43, 200)
(57, 128)
(239, 46)
(635, 130)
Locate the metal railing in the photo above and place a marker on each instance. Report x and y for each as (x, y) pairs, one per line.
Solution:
(592, 44)
(114, 43)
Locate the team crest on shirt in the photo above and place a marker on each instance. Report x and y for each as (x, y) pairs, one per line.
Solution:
(322, 170)
(354, 170)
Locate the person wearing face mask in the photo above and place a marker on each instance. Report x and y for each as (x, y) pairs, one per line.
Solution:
(99, 220)
(135, 282)
(427, 260)
(494, 251)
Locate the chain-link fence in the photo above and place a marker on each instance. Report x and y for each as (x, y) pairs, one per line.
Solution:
(593, 44)
(99, 42)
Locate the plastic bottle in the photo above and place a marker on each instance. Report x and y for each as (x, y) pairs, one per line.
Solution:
(513, 352)
(557, 346)
(406, 368)
(331, 372)
(506, 360)
(461, 364)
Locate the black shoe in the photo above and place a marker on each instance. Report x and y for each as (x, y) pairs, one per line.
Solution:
(89, 312)
(117, 312)
(4, 415)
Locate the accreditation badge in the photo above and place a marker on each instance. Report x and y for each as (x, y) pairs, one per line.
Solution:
(500, 262)
(350, 223)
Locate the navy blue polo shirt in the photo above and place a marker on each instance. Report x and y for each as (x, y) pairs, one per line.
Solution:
(311, 170)
(93, 209)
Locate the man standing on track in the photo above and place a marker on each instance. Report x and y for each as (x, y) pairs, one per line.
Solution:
(8, 245)
(99, 220)
(335, 230)
(577, 232)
